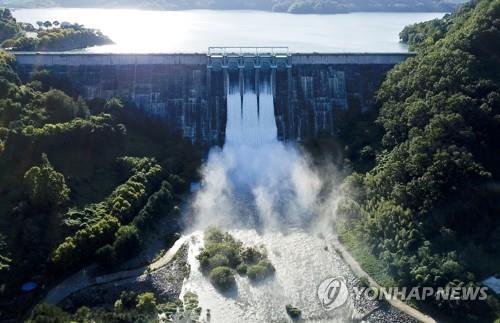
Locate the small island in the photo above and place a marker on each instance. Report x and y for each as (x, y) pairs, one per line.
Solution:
(49, 36)
(223, 256)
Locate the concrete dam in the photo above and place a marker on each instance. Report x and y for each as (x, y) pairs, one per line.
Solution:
(190, 91)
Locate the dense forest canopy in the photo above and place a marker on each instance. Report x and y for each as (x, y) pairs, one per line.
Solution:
(430, 207)
(293, 6)
(80, 181)
(428, 32)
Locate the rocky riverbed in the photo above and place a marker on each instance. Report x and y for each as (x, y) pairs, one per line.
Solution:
(181, 273)
(302, 261)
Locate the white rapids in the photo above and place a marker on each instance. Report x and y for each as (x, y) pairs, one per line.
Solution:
(264, 193)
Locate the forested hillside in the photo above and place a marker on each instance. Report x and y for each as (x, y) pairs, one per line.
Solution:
(426, 33)
(49, 36)
(79, 181)
(292, 6)
(430, 208)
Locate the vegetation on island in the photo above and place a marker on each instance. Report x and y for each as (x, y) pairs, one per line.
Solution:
(49, 36)
(291, 6)
(222, 256)
(293, 312)
(80, 181)
(427, 213)
(130, 307)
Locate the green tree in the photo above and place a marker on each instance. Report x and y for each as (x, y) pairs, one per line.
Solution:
(113, 105)
(46, 313)
(146, 304)
(45, 187)
(222, 277)
(434, 177)
(127, 241)
(60, 107)
(106, 256)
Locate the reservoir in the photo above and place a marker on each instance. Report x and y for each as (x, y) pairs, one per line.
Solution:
(193, 31)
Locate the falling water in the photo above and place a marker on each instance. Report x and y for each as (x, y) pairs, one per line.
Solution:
(250, 113)
(264, 193)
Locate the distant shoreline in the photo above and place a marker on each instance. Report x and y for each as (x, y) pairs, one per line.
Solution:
(417, 10)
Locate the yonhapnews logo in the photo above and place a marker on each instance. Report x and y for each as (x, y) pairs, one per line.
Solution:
(332, 293)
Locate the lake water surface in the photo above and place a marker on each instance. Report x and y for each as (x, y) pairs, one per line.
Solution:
(141, 31)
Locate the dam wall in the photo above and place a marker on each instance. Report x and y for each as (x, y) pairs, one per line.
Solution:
(78, 59)
(311, 93)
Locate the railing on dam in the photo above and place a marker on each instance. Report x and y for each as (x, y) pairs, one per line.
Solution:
(248, 57)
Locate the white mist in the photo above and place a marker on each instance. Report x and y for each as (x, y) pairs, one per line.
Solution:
(265, 193)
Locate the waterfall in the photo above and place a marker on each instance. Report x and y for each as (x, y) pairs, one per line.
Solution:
(250, 113)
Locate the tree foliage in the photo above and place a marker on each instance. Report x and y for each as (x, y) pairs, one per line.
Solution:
(45, 187)
(222, 255)
(426, 33)
(46, 313)
(90, 202)
(430, 202)
(68, 37)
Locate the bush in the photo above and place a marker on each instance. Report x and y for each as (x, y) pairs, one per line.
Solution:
(168, 308)
(251, 255)
(158, 202)
(222, 278)
(260, 271)
(80, 247)
(257, 273)
(146, 303)
(46, 313)
(293, 311)
(214, 235)
(127, 241)
(242, 269)
(128, 299)
(106, 256)
(218, 243)
(60, 107)
(218, 260)
(363, 281)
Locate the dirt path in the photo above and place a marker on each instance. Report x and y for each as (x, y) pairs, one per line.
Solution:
(84, 279)
(356, 268)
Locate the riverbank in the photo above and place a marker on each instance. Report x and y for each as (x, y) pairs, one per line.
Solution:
(299, 272)
(360, 272)
(164, 278)
(87, 278)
